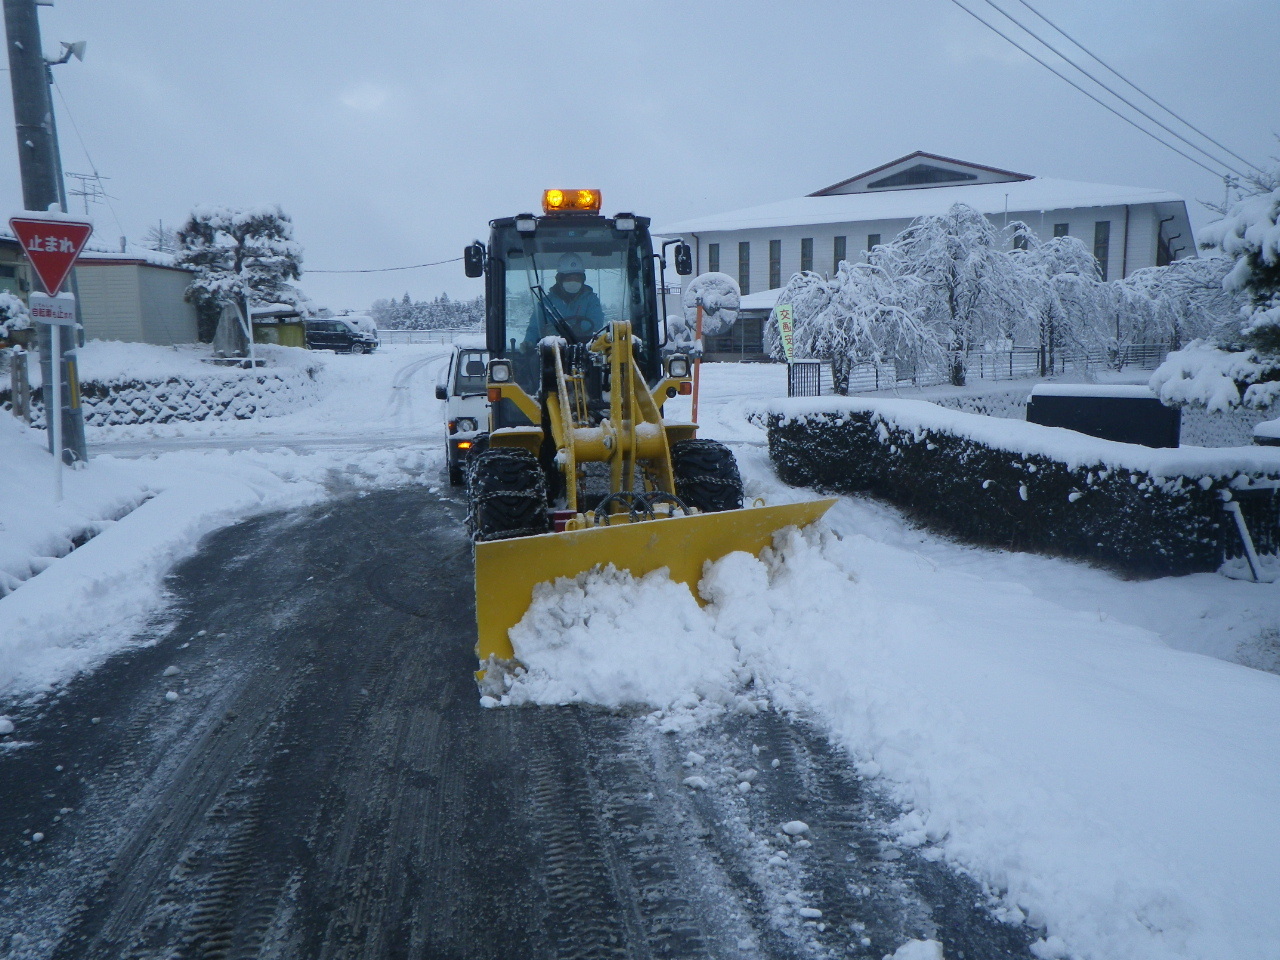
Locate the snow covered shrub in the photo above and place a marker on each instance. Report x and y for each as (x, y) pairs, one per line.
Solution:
(1022, 486)
(13, 315)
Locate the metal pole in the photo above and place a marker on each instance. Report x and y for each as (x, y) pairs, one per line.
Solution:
(697, 363)
(53, 418)
(41, 171)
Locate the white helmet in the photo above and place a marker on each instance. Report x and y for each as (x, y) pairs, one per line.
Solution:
(570, 263)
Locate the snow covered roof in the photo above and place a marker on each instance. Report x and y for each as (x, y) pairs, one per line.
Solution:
(99, 254)
(1018, 197)
(763, 300)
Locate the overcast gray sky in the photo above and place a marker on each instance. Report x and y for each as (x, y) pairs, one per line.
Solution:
(392, 132)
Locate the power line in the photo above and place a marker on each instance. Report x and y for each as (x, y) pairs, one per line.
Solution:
(1164, 126)
(1167, 110)
(1217, 174)
(83, 146)
(416, 266)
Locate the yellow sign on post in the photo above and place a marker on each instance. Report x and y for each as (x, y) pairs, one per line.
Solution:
(786, 328)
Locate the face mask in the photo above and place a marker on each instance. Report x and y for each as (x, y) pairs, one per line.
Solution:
(571, 286)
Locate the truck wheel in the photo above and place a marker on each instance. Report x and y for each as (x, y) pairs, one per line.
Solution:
(706, 475)
(455, 470)
(506, 495)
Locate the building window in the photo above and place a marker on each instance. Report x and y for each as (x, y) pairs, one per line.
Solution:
(1102, 244)
(744, 266)
(806, 255)
(838, 251)
(1061, 230)
(920, 175)
(713, 258)
(775, 264)
(873, 241)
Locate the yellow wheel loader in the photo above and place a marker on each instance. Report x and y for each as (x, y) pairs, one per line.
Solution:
(579, 467)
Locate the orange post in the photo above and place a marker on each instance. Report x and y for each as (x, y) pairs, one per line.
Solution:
(697, 363)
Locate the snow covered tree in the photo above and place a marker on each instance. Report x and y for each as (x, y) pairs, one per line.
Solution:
(971, 290)
(160, 238)
(1062, 276)
(240, 256)
(1191, 302)
(863, 314)
(1250, 234)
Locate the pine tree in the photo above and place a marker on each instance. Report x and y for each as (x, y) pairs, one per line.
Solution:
(245, 257)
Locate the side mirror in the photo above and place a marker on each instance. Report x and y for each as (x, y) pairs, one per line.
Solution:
(473, 260)
(684, 259)
(441, 392)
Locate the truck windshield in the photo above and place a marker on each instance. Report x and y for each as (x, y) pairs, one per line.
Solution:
(612, 266)
(470, 376)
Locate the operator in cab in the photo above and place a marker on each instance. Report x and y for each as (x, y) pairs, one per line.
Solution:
(571, 299)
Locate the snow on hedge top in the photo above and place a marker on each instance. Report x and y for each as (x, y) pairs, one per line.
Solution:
(1091, 390)
(720, 298)
(1075, 450)
(112, 360)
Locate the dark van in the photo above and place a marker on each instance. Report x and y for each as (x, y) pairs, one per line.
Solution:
(340, 336)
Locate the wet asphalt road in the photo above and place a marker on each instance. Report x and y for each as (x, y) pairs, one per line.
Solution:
(327, 785)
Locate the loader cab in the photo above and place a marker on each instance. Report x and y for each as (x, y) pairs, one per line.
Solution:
(522, 303)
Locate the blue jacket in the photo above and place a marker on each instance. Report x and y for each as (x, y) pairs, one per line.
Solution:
(584, 304)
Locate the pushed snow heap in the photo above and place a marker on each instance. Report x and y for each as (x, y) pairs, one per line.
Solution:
(720, 298)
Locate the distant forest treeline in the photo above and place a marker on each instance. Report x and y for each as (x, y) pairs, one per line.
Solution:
(441, 313)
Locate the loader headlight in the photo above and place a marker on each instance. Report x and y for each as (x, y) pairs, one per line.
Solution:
(624, 221)
(499, 371)
(526, 223)
(678, 367)
(465, 425)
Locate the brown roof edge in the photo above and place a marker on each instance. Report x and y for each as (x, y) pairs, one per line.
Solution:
(913, 156)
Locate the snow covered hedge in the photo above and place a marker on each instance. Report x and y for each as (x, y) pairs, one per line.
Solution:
(1028, 487)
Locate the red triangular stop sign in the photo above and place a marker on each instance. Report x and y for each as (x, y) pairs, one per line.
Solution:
(52, 246)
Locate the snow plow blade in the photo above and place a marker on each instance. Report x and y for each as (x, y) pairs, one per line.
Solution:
(508, 570)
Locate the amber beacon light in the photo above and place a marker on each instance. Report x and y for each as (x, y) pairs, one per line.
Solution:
(570, 201)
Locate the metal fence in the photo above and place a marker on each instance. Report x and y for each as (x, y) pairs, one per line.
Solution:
(1015, 364)
(428, 336)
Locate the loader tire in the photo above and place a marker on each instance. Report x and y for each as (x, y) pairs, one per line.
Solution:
(706, 475)
(506, 495)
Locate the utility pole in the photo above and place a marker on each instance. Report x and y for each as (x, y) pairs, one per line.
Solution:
(42, 187)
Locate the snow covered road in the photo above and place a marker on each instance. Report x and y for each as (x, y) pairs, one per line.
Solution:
(296, 765)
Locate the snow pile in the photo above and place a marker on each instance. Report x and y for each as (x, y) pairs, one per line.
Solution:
(577, 639)
(1122, 794)
(114, 360)
(34, 531)
(1204, 375)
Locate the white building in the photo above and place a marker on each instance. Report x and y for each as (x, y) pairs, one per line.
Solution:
(137, 296)
(1127, 228)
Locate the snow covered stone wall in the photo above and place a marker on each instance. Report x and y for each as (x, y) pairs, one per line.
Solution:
(1024, 486)
(123, 384)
